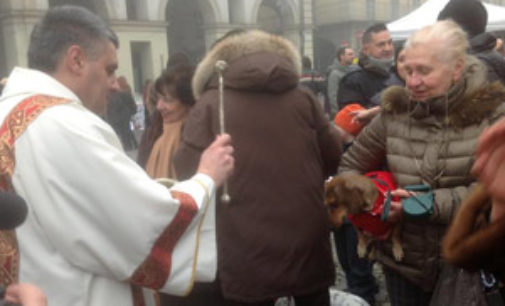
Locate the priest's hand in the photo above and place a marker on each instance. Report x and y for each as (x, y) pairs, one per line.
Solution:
(217, 160)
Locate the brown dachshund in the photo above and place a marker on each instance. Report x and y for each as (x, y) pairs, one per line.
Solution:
(354, 194)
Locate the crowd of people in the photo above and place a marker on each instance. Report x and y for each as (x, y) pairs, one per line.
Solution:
(267, 130)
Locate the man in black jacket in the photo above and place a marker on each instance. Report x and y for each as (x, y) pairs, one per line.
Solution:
(471, 15)
(375, 62)
(359, 86)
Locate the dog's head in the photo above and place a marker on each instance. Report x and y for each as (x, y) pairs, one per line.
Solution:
(349, 193)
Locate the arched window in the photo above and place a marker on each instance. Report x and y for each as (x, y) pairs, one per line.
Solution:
(96, 6)
(370, 9)
(185, 31)
(90, 5)
(131, 9)
(271, 16)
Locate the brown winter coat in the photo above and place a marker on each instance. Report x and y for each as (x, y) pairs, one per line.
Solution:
(421, 148)
(273, 238)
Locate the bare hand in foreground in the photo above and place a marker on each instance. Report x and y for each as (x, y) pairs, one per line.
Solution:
(396, 211)
(490, 163)
(217, 160)
(25, 295)
(497, 210)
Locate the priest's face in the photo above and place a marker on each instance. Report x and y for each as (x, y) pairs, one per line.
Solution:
(99, 79)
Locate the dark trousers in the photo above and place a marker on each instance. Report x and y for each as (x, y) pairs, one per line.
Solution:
(210, 295)
(402, 292)
(358, 271)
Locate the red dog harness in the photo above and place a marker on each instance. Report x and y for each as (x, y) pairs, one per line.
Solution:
(371, 222)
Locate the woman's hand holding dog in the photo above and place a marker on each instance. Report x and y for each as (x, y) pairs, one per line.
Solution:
(396, 211)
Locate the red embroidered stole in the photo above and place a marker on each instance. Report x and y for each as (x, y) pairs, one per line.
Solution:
(13, 126)
(155, 270)
(152, 273)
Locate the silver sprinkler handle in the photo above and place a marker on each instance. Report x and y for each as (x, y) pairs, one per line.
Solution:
(221, 67)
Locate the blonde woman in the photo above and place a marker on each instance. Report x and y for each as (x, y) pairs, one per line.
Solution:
(428, 133)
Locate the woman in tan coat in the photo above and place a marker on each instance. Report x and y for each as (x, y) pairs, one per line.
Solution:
(161, 139)
(427, 133)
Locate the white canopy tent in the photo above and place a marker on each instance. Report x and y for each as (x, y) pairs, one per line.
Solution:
(427, 14)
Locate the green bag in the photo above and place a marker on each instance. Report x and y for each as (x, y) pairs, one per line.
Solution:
(421, 205)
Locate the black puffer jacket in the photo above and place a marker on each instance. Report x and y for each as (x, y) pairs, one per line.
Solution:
(360, 85)
(482, 46)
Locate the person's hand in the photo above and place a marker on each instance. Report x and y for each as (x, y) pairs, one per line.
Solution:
(25, 295)
(360, 117)
(364, 116)
(396, 210)
(497, 210)
(217, 160)
(490, 163)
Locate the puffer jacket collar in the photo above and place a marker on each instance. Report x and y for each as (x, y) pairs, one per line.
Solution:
(469, 101)
(256, 61)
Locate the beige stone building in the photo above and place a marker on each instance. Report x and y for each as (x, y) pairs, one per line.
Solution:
(152, 30)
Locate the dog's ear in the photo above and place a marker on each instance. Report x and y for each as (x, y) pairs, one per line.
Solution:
(370, 198)
(360, 182)
(336, 212)
(354, 201)
(330, 194)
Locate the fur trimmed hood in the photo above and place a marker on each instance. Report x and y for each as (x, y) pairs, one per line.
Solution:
(256, 61)
(476, 100)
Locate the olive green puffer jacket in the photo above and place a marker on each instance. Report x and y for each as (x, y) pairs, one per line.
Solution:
(430, 142)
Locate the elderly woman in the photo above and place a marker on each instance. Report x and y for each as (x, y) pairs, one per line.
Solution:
(428, 133)
(161, 139)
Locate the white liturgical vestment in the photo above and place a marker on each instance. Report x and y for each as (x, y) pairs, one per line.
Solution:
(97, 223)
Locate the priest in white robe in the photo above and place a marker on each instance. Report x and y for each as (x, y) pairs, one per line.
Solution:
(97, 223)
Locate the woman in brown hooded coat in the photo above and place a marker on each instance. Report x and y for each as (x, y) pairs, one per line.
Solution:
(273, 237)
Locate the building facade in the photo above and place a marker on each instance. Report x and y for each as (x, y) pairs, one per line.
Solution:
(150, 31)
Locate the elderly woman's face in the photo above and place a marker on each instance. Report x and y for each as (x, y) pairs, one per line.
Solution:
(427, 75)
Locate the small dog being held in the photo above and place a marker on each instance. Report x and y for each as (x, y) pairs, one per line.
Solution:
(361, 198)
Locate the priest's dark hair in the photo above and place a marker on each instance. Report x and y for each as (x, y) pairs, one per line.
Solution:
(62, 27)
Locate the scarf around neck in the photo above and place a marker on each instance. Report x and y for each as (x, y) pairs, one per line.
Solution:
(159, 164)
(380, 66)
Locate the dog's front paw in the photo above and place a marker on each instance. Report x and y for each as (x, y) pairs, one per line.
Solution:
(398, 251)
(373, 254)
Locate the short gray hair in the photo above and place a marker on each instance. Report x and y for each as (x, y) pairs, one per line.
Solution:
(63, 26)
(450, 38)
